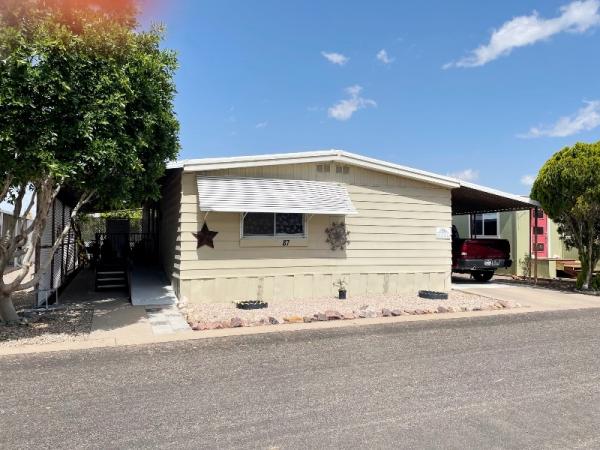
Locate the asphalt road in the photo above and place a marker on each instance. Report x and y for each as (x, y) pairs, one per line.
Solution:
(518, 381)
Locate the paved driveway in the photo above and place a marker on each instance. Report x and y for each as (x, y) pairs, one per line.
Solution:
(536, 298)
(505, 381)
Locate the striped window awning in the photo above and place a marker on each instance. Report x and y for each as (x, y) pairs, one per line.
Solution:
(240, 194)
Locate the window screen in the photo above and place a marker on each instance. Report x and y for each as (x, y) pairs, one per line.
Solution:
(273, 224)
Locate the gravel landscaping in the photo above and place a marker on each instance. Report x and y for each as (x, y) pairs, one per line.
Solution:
(224, 315)
(69, 323)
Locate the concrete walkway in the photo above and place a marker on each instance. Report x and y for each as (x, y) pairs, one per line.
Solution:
(149, 287)
(535, 298)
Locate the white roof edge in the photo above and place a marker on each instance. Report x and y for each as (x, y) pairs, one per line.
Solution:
(230, 162)
(204, 164)
(519, 198)
(175, 164)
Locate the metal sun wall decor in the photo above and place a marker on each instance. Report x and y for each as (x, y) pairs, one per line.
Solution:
(205, 237)
(337, 236)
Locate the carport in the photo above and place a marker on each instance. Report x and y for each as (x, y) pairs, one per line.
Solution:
(471, 199)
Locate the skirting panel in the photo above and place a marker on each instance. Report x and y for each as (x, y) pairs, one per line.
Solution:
(307, 286)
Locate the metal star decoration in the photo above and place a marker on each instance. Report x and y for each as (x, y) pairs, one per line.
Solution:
(205, 237)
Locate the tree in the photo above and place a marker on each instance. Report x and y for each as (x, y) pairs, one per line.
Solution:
(86, 103)
(568, 188)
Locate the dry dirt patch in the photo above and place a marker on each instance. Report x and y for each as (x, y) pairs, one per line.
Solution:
(69, 323)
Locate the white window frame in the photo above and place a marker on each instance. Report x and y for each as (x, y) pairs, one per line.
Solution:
(276, 236)
(483, 216)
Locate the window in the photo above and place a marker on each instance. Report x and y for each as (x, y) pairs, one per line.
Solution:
(342, 169)
(539, 248)
(539, 213)
(538, 230)
(323, 168)
(273, 224)
(486, 224)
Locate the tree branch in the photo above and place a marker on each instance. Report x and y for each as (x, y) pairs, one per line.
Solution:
(30, 206)
(46, 194)
(6, 187)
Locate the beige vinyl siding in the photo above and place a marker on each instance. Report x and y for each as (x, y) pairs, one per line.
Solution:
(393, 245)
(168, 238)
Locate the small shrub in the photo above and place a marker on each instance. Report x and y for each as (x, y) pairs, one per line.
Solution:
(525, 264)
(595, 284)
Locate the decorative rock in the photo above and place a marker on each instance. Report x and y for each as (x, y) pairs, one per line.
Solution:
(370, 313)
(332, 315)
(419, 311)
(273, 321)
(518, 305)
(465, 308)
(348, 316)
(410, 311)
(397, 312)
(226, 324)
(452, 309)
(236, 322)
(442, 309)
(293, 319)
(214, 325)
(362, 314)
(386, 312)
(201, 326)
(307, 319)
(320, 317)
(506, 304)
(430, 311)
(182, 303)
(195, 326)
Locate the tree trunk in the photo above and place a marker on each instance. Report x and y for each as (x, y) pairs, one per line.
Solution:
(8, 312)
(590, 268)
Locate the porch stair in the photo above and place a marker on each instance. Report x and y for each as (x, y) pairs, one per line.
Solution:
(111, 276)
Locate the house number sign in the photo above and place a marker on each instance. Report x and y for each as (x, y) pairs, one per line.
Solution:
(286, 242)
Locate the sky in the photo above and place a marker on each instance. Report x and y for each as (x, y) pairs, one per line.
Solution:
(485, 91)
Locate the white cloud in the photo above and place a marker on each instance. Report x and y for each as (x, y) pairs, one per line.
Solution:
(528, 180)
(344, 109)
(465, 175)
(586, 118)
(382, 55)
(262, 124)
(576, 17)
(335, 58)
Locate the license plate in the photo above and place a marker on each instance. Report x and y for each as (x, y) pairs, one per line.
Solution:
(491, 263)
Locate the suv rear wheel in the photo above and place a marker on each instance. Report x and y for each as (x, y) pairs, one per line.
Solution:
(484, 275)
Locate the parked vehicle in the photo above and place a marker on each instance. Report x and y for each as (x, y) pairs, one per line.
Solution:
(479, 257)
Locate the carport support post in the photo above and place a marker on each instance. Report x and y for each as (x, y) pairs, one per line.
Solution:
(530, 246)
(535, 243)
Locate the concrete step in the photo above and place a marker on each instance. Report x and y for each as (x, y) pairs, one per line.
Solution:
(110, 272)
(111, 286)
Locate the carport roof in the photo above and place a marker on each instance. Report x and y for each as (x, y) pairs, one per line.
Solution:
(472, 198)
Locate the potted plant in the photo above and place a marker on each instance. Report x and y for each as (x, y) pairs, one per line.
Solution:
(341, 285)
